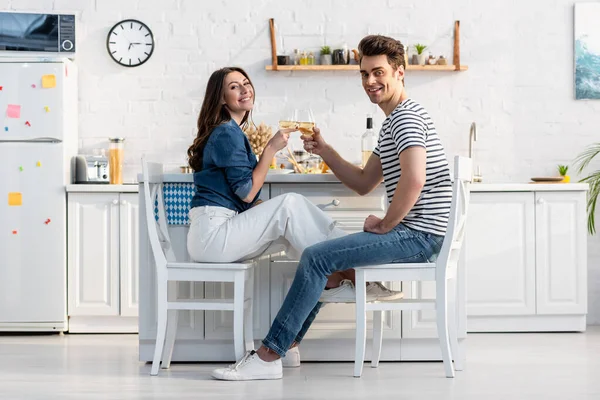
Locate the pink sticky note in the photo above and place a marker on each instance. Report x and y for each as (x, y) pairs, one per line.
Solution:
(13, 111)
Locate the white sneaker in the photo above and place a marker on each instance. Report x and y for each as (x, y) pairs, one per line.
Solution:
(345, 293)
(382, 293)
(292, 358)
(249, 368)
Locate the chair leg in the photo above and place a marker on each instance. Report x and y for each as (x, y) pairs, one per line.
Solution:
(377, 338)
(172, 320)
(456, 352)
(442, 325)
(361, 322)
(161, 326)
(248, 313)
(238, 314)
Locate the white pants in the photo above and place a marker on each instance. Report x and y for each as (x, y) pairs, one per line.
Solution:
(287, 223)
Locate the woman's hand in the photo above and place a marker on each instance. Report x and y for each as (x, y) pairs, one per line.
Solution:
(280, 139)
(314, 144)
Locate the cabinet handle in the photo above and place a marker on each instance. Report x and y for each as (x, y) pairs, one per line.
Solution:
(335, 202)
(541, 201)
(115, 201)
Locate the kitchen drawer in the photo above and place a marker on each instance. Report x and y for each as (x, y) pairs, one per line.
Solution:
(336, 198)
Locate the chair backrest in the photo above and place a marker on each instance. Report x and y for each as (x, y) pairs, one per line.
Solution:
(156, 218)
(451, 248)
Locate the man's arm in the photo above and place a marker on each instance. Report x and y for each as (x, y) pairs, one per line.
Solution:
(413, 162)
(361, 180)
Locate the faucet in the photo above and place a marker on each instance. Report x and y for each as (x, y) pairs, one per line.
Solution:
(473, 138)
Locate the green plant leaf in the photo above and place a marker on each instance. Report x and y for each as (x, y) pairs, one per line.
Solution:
(594, 181)
(584, 159)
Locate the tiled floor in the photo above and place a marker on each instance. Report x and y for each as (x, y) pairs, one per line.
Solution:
(499, 366)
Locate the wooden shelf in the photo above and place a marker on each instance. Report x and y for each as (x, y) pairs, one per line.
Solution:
(455, 66)
(354, 67)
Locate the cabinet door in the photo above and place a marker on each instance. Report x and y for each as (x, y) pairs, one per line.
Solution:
(335, 321)
(500, 254)
(93, 255)
(129, 244)
(561, 252)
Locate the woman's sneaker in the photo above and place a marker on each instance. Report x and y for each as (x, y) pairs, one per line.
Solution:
(249, 368)
(292, 358)
(345, 293)
(382, 293)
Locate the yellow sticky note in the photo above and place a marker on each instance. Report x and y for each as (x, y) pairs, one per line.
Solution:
(38, 164)
(48, 81)
(47, 109)
(15, 199)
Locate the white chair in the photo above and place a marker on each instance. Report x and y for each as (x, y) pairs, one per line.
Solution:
(169, 270)
(443, 271)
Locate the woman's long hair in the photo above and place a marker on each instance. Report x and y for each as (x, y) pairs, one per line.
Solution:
(213, 113)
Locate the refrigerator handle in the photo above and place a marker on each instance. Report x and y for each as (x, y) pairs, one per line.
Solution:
(36, 140)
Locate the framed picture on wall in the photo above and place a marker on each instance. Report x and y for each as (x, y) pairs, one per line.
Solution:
(587, 51)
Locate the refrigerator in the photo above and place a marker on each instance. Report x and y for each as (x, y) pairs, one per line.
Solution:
(38, 139)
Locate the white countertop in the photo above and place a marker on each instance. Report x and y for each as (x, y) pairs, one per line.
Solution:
(102, 188)
(330, 178)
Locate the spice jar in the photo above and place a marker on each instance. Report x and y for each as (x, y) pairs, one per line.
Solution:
(115, 160)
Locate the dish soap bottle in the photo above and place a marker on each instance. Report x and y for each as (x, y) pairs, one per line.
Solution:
(368, 141)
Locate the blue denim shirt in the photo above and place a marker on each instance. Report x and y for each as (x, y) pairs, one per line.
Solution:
(226, 175)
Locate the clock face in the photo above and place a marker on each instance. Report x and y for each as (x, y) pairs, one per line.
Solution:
(130, 43)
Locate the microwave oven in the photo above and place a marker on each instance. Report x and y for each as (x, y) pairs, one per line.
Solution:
(37, 33)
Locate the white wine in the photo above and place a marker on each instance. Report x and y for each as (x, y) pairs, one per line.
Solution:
(306, 128)
(287, 124)
(366, 154)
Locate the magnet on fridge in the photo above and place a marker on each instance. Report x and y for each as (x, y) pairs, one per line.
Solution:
(15, 199)
(14, 232)
(21, 169)
(38, 164)
(48, 81)
(47, 108)
(0, 87)
(33, 85)
(27, 123)
(13, 111)
(6, 129)
(47, 222)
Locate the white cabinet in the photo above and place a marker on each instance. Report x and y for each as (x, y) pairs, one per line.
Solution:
(500, 254)
(102, 262)
(525, 256)
(560, 231)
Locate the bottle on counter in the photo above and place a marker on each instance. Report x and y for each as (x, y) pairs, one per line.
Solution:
(311, 58)
(368, 141)
(115, 160)
(303, 58)
(296, 57)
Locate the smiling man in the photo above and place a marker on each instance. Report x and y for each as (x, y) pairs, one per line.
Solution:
(410, 159)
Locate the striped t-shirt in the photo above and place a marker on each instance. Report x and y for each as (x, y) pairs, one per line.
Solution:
(410, 125)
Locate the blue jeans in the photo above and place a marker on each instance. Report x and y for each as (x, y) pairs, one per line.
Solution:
(301, 305)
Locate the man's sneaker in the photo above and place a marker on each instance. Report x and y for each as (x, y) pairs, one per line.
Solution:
(249, 368)
(382, 293)
(345, 293)
(292, 358)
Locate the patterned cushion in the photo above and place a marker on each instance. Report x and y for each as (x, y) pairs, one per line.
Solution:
(177, 197)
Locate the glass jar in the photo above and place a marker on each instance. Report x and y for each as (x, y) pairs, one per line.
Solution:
(115, 160)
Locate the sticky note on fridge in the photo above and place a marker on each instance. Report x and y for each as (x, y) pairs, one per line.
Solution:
(48, 81)
(15, 199)
(47, 109)
(38, 164)
(13, 111)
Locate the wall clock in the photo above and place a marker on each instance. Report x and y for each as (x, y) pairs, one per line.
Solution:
(130, 43)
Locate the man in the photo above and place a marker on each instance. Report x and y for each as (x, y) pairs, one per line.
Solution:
(410, 159)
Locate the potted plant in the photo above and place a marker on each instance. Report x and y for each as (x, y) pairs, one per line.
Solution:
(562, 170)
(421, 56)
(325, 55)
(581, 162)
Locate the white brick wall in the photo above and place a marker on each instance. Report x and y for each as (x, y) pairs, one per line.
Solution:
(519, 87)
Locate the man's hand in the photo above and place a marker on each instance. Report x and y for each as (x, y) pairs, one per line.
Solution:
(375, 224)
(314, 143)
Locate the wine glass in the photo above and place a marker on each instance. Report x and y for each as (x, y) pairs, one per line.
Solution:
(289, 119)
(306, 121)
